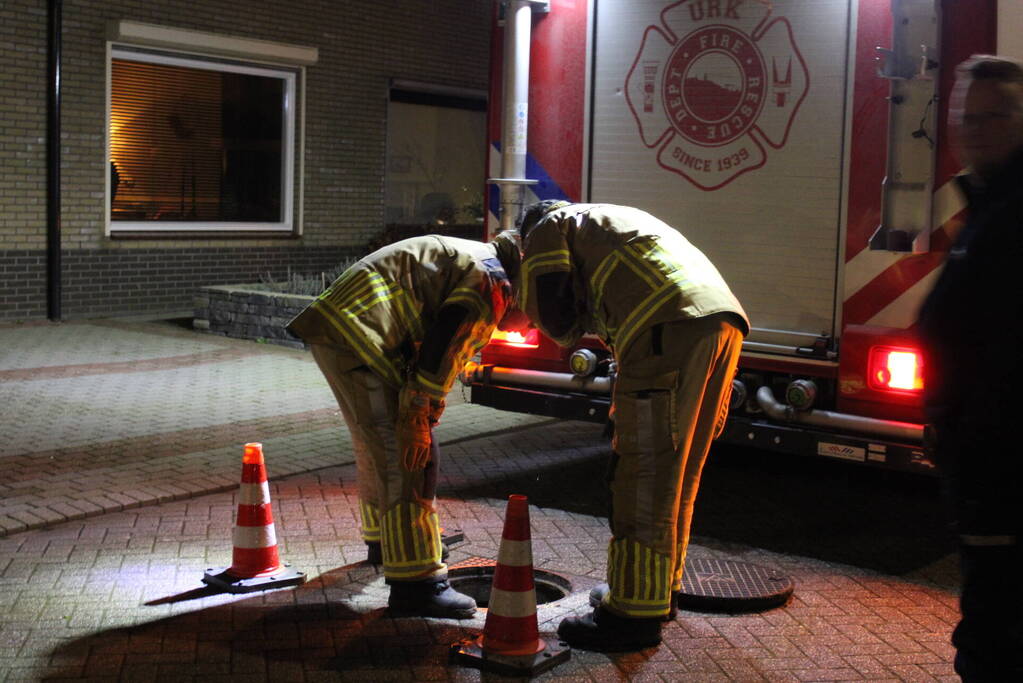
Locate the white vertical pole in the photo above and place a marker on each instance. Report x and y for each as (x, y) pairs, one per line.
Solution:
(517, 26)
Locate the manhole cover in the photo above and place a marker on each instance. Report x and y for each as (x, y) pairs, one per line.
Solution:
(710, 585)
(475, 576)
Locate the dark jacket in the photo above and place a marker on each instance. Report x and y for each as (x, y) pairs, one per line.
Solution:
(972, 328)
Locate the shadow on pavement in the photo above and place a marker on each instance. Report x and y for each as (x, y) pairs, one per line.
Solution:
(336, 622)
(884, 521)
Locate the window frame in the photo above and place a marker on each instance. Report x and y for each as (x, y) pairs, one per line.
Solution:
(291, 152)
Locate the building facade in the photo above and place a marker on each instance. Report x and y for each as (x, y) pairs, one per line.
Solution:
(147, 219)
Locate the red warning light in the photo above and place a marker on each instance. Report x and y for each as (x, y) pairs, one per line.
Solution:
(517, 339)
(895, 369)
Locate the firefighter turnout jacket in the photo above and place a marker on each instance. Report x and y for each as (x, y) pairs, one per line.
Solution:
(615, 271)
(414, 311)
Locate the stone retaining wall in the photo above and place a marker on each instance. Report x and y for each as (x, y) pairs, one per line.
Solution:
(249, 312)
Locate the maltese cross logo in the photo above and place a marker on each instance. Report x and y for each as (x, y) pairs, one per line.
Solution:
(713, 85)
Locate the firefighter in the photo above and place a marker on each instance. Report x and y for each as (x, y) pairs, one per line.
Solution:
(971, 324)
(390, 335)
(675, 330)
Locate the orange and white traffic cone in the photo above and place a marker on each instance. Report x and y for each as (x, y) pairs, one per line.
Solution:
(255, 564)
(510, 642)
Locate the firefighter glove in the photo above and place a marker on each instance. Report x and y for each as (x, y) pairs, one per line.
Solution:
(417, 413)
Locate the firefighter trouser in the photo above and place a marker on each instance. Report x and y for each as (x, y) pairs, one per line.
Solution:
(670, 401)
(397, 506)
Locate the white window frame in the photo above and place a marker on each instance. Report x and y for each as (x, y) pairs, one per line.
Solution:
(198, 50)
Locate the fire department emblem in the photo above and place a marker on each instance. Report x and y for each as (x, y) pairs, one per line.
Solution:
(714, 86)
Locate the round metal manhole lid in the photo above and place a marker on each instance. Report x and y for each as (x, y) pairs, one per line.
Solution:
(710, 585)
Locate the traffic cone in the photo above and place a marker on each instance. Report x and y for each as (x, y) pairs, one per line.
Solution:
(510, 642)
(255, 564)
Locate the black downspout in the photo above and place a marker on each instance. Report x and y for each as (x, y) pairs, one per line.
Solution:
(53, 278)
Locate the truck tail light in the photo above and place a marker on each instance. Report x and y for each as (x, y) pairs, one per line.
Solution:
(891, 368)
(530, 339)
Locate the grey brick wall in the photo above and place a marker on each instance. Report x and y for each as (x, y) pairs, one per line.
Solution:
(362, 44)
(134, 281)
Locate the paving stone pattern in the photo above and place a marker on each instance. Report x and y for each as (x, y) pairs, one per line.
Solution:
(117, 595)
(163, 418)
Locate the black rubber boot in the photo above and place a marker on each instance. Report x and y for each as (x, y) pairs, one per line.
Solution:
(375, 553)
(603, 631)
(598, 592)
(431, 598)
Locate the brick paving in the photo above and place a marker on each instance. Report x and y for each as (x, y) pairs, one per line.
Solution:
(137, 466)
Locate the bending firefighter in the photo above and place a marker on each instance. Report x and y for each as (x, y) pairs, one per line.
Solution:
(390, 335)
(675, 330)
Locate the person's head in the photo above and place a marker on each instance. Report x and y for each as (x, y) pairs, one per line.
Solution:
(986, 112)
(534, 213)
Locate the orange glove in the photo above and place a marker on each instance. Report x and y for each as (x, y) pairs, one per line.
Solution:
(417, 413)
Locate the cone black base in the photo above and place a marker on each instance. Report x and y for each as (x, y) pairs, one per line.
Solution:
(219, 578)
(470, 653)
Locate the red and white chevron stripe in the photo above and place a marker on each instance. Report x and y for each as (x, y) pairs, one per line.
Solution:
(886, 289)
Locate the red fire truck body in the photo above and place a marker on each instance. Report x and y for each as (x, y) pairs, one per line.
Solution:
(801, 144)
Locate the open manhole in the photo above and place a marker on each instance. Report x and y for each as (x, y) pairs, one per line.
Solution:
(475, 576)
(710, 585)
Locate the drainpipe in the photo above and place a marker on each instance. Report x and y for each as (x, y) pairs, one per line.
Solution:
(518, 18)
(53, 279)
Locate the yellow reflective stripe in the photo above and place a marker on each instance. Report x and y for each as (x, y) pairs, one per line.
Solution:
(349, 280)
(648, 592)
(355, 288)
(558, 258)
(633, 258)
(470, 297)
(379, 293)
(370, 522)
(600, 276)
(972, 539)
(429, 384)
(410, 317)
(383, 366)
(645, 309)
(654, 254)
(661, 576)
(649, 561)
(412, 544)
(355, 293)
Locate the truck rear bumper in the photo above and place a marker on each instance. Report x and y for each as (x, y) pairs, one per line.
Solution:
(879, 443)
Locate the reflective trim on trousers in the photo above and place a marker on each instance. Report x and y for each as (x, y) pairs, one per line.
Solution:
(410, 539)
(640, 580)
(976, 540)
(370, 516)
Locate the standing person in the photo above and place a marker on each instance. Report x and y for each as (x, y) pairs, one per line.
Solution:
(972, 328)
(676, 331)
(390, 335)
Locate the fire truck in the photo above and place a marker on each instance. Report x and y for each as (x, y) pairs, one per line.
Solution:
(801, 144)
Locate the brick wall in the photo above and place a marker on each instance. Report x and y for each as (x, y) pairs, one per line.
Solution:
(362, 45)
(134, 281)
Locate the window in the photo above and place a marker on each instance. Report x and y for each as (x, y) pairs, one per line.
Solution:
(436, 154)
(199, 143)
